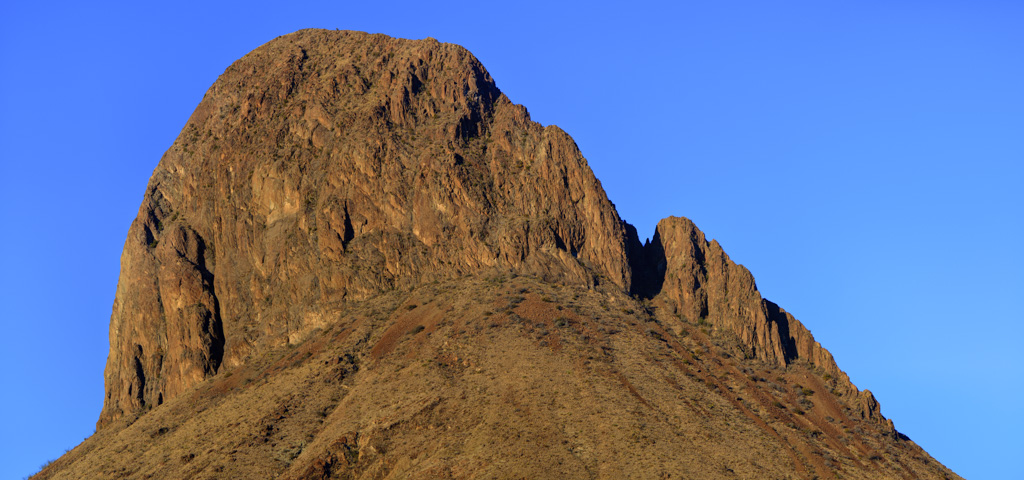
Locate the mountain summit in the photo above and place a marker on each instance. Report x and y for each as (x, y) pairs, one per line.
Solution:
(359, 259)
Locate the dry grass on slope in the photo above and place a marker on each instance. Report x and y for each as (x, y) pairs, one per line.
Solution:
(502, 377)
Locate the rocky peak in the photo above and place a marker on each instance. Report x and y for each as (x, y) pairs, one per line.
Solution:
(330, 166)
(360, 259)
(695, 279)
(327, 167)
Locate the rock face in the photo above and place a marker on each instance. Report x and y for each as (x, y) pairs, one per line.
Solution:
(702, 285)
(333, 166)
(343, 209)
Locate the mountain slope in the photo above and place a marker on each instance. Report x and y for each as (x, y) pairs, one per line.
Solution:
(498, 377)
(360, 259)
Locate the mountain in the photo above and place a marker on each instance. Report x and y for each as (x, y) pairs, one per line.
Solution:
(359, 259)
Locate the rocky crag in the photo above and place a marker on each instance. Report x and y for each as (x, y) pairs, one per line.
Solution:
(373, 216)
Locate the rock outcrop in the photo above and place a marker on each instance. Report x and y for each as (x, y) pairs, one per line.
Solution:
(695, 279)
(315, 215)
(333, 166)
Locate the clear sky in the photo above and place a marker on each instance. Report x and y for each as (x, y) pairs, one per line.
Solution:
(865, 160)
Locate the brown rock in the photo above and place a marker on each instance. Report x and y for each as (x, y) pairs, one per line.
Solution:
(333, 166)
(702, 285)
(360, 260)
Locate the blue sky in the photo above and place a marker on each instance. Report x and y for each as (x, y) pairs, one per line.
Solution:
(865, 160)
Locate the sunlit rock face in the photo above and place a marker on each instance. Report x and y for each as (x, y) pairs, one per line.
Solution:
(332, 166)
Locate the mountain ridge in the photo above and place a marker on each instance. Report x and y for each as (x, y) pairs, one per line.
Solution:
(329, 168)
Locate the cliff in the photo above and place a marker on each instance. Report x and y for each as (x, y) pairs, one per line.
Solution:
(333, 166)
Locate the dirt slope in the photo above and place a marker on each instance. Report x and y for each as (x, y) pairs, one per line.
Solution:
(505, 377)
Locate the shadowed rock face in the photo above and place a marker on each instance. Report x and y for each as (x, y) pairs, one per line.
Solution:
(329, 178)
